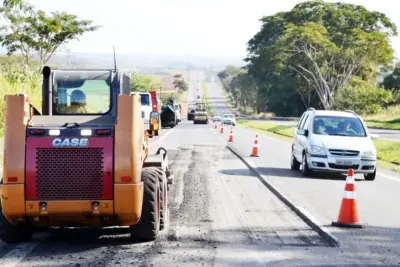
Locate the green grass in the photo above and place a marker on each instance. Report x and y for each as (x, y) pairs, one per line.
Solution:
(205, 95)
(32, 90)
(387, 119)
(388, 151)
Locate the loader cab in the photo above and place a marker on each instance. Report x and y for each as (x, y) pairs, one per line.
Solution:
(82, 92)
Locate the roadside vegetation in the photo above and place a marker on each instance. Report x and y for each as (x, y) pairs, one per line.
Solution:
(205, 97)
(387, 151)
(311, 56)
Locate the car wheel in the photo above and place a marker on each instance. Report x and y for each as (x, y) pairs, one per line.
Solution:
(370, 176)
(234, 124)
(294, 164)
(305, 170)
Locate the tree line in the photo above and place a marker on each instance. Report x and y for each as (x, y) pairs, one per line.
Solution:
(322, 55)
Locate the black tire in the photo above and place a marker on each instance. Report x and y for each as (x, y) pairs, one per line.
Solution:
(305, 170)
(370, 176)
(156, 133)
(294, 164)
(10, 233)
(148, 227)
(162, 178)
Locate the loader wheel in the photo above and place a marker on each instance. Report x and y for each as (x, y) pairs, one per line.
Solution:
(162, 177)
(10, 233)
(149, 224)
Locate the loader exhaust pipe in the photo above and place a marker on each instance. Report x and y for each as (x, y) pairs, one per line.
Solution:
(46, 92)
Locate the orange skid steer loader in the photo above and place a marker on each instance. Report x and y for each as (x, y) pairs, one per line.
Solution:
(83, 161)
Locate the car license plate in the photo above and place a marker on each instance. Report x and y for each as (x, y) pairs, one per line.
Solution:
(344, 162)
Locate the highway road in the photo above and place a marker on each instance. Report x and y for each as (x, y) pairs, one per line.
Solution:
(221, 214)
(320, 196)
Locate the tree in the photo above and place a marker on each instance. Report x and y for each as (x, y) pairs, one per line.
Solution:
(144, 83)
(304, 56)
(13, 3)
(392, 81)
(325, 67)
(181, 84)
(33, 31)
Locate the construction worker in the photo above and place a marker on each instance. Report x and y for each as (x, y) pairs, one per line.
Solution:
(78, 103)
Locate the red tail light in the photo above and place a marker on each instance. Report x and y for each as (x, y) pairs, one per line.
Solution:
(36, 132)
(12, 179)
(103, 132)
(126, 179)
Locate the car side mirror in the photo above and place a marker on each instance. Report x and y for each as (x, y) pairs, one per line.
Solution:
(302, 132)
(374, 136)
(154, 114)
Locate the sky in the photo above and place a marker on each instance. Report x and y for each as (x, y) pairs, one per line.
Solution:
(212, 28)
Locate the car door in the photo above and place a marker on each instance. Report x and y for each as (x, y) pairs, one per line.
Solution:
(299, 140)
(295, 138)
(303, 140)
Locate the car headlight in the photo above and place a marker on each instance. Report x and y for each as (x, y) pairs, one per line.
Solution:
(316, 150)
(370, 153)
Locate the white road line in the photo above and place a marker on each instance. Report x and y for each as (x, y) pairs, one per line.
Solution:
(16, 255)
(162, 137)
(389, 177)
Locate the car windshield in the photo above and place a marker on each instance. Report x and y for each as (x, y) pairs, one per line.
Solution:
(81, 92)
(341, 126)
(145, 99)
(229, 116)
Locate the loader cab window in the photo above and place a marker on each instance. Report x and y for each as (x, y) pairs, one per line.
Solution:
(145, 100)
(81, 92)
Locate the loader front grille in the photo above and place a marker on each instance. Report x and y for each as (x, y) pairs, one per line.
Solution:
(69, 173)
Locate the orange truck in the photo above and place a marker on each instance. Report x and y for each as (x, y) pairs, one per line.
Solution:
(82, 161)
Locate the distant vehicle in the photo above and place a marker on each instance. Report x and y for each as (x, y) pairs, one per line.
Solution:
(198, 97)
(333, 141)
(200, 117)
(229, 119)
(150, 103)
(178, 112)
(217, 117)
(237, 115)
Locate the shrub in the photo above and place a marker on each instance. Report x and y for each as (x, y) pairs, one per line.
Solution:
(363, 98)
(16, 78)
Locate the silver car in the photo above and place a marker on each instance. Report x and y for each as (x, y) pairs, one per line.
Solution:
(229, 119)
(333, 141)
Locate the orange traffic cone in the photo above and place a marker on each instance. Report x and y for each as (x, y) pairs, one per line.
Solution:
(215, 125)
(231, 136)
(348, 214)
(222, 128)
(254, 153)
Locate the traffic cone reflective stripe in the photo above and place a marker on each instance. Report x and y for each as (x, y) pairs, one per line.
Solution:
(348, 214)
(231, 136)
(254, 153)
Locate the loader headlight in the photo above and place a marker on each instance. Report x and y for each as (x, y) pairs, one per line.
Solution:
(86, 132)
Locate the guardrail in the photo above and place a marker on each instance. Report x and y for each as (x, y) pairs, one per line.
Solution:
(271, 118)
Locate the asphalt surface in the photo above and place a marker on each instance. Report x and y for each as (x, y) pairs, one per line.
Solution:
(220, 214)
(320, 196)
